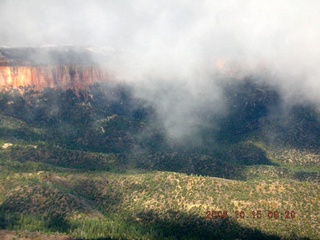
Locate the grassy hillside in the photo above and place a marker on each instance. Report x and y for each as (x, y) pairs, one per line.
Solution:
(156, 205)
(103, 168)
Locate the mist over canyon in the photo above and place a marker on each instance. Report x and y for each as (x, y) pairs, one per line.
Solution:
(142, 119)
(68, 87)
(176, 56)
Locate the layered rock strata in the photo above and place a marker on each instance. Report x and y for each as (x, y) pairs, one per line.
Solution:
(57, 68)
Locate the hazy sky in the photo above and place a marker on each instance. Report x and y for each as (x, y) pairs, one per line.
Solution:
(181, 44)
(174, 36)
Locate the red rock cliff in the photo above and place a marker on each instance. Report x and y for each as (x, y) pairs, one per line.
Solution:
(53, 68)
(40, 77)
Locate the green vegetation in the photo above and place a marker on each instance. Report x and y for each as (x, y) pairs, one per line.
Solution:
(154, 205)
(96, 169)
(37, 196)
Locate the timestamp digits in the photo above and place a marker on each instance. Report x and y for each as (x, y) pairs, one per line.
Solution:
(255, 214)
(216, 214)
(270, 214)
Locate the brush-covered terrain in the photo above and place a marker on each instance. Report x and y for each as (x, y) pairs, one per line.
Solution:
(103, 167)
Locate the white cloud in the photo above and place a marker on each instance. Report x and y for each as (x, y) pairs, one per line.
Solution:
(181, 44)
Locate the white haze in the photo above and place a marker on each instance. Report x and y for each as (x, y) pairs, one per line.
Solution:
(175, 52)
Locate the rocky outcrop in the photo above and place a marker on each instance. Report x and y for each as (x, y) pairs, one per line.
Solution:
(73, 77)
(57, 68)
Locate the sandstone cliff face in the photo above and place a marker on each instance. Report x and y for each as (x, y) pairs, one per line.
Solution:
(40, 77)
(54, 68)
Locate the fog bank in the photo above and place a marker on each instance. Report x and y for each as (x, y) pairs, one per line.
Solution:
(176, 53)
